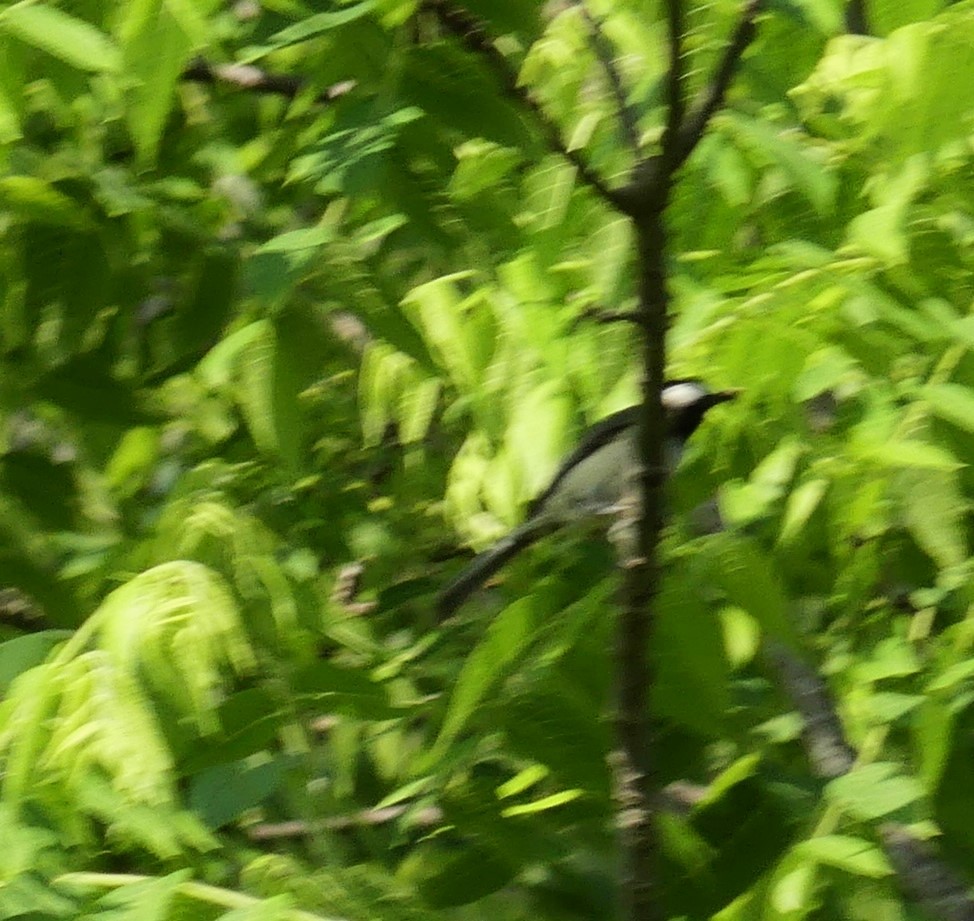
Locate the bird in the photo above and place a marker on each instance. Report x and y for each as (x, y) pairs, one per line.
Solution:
(591, 480)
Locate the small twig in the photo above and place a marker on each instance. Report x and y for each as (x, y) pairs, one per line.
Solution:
(248, 77)
(628, 119)
(473, 35)
(692, 128)
(602, 315)
(856, 21)
(21, 612)
(921, 872)
(344, 592)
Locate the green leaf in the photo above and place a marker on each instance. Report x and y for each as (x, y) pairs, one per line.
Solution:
(892, 657)
(557, 726)
(220, 794)
(952, 402)
(439, 312)
(751, 582)
(24, 652)
(881, 233)
(872, 791)
(156, 47)
(457, 876)
(744, 502)
(12, 79)
(489, 662)
(250, 722)
(72, 40)
(801, 505)
(812, 179)
(130, 466)
(309, 28)
(217, 367)
(150, 898)
(203, 317)
(854, 855)
(345, 690)
(934, 510)
(268, 393)
(417, 407)
(457, 91)
(692, 669)
(911, 453)
(39, 201)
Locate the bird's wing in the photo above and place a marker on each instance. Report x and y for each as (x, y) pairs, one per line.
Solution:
(596, 437)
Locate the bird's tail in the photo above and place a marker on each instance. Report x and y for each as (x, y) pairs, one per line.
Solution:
(485, 564)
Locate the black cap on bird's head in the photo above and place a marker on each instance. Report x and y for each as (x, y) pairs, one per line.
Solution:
(685, 403)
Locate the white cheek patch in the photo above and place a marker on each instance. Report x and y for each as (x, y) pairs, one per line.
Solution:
(680, 396)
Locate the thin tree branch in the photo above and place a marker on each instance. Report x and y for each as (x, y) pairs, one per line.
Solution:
(248, 77)
(628, 119)
(921, 872)
(645, 199)
(856, 20)
(650, 182)
(924, 877)
(635, 773)
(367, 818)
(472, 33)
(675, 102)
(691, 129)
(828, 752)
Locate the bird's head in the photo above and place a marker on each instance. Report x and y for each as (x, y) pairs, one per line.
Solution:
(686, 403)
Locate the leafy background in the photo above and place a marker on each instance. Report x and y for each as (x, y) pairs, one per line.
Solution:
(272, 360)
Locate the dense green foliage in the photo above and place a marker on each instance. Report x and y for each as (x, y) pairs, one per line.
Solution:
(247, 340)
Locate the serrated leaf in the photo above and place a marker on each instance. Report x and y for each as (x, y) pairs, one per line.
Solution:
(809, 177)
(933, 509)
(268, 391)
(439, 312)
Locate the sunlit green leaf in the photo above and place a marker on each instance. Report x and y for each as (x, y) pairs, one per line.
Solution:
(72, 40)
